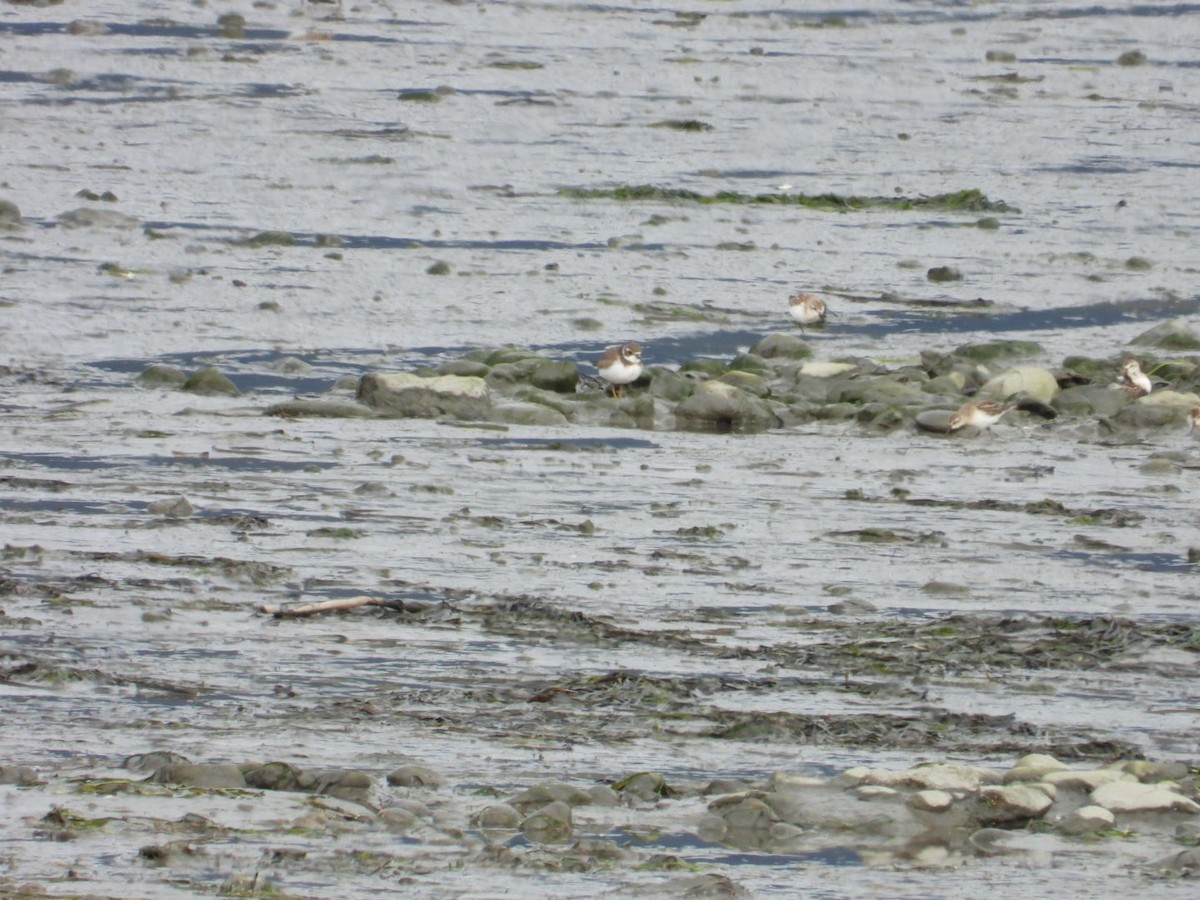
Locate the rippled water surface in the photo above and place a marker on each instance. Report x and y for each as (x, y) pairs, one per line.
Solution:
(387, 139)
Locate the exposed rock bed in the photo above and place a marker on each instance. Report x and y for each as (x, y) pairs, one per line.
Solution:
(774, 385)
(931, 816)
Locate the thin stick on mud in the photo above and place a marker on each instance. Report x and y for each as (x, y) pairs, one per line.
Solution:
(336, 605)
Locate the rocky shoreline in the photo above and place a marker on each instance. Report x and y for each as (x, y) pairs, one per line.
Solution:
(931, 816)
(776, 384)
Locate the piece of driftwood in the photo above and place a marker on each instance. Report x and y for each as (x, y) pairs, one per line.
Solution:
(336, 605)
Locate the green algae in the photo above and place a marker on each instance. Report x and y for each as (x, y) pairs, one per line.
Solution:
(693, 125)
(271, 239)
(969, 200)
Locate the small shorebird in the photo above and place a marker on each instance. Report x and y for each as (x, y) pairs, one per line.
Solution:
(807, 309)
(981, 414)
(620, 366)
(1193, 418)
(1134, 381)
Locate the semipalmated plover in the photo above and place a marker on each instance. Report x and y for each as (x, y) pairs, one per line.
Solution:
(981, 414)
(807, 309)
(621, 365)
(1134, 381)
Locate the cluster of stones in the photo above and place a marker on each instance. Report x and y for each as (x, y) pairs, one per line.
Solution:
(171, 768)
(931, 814)
(778, 384)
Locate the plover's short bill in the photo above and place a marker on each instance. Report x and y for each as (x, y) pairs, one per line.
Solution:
(807, 309)
(1134, 380)
(981, 414)
(620, 366)
(1193, 418)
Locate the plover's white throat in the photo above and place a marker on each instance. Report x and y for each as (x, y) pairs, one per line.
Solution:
(621, 365)
(807, 309)
(981, 414)
(1134, 380)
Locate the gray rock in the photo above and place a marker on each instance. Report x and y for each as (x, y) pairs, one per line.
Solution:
(203, 775)
(720, 407)
(1185, 863)
(1035, 382)
(415, 776)
(852, 606)
(750, 815)
(1150, 415)
(781, 345)
(670, 385)
(719, 786)
(787, 806)
(746, 381)
(1135, 797)
(948, 777)
(885, 391)
(506, 375)
(10, 216)
(550, 792)
(711, 827)
(603, 795)
(549, 824)
(1175, 334)
(752, 363)
(273, 776)
(1170, 398)
(88, 217)
(1034, 767)
(519, 413)
(1070, 779)
(1010, 804)
(210, 381)
(825, 368)
(1087, 819)
(943, 273)
(948, 384)
(348, 785)
(1004, 842)
(1148, 771)
(644, 785)
(874, 793)
(935, 420)
(498, 815)
(397, 820)
(506, 355)
(291, 365)
(931, 801)
(408, 395)
(19, 775)
(160, 375)
(416, 807)
(993, 350)
(171, 508)
(466, 367)
(1090, 399)
(559, 375)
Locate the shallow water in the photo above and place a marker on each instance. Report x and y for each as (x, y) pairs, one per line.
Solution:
(702, 564)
